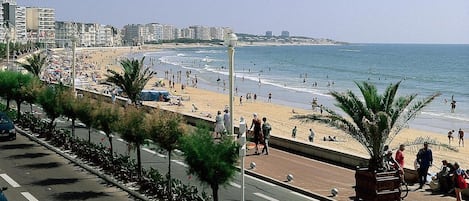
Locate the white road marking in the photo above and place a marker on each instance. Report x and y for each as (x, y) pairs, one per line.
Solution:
(10, 180)
(28, 196)
(265, 197)
(154, 152)
(180, 163)
(235, 185)
(303, 196)
(260, 180)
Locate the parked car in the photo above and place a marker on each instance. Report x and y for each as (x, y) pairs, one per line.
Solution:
(7, 128)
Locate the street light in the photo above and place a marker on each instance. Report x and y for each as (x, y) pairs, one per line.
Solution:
(7, 37)
(230, 41)
(74, 41)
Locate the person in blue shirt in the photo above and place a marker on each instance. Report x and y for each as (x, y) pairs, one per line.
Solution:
(425, 160)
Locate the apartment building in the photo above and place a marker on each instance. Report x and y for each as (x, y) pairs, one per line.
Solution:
(40, 25)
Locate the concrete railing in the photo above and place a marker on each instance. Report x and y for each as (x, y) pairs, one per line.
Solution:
(306, 149)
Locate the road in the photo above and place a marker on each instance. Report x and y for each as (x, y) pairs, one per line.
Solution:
(255, 189)
(32, 172)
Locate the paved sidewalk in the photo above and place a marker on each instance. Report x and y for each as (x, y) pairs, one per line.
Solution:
(319, 177)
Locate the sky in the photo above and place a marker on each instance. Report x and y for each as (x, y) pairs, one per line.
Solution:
(356, 21)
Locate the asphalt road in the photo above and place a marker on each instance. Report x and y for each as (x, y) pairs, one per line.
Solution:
(32, 172)
(255, 189)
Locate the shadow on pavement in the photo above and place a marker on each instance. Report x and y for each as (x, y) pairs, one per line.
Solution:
(42, 165)
(84, 195)
(28, 155)
(16, 146)
(56, 181)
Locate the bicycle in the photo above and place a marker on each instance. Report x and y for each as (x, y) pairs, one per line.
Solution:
(403, 187)
(391, 164)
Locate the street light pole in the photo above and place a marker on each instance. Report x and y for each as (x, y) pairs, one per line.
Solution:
(230, 42)
(7, 37)
(74, 41)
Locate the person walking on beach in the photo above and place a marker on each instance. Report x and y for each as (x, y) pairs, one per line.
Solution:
(270, 98)
(266, 128)
(311, 135)
(459, 177)
(461, 137)
(226, 120)
(450, 136)
(241, 100)
(219, 124)
(293, 132)
(256, 123)
(425, 160)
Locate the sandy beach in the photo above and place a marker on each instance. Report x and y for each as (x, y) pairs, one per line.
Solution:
(208, 102)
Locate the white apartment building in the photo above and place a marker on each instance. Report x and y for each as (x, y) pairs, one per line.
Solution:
(168, 32)
(40, 25)
(216, 33)
(20, 25)
(188, 33)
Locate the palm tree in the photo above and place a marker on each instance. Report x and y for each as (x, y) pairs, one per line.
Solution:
(131, 129)
(166, 129)
(212, 162)
(133, 79)
(35, 64)
(375, 121)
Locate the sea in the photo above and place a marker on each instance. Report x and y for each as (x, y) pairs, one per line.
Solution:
(295, 75)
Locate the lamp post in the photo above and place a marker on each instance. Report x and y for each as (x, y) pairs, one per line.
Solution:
(230, 41)
(7, 37)
(74, 41)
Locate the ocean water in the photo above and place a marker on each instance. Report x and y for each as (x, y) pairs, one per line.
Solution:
(297, 74)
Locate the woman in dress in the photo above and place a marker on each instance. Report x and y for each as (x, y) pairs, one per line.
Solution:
(219, 124)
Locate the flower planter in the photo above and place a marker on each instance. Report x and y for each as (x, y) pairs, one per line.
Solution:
(373, 186)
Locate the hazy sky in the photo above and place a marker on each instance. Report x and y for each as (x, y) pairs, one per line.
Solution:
(372, 21)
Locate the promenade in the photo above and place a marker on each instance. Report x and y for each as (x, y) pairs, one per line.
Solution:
(319, 177)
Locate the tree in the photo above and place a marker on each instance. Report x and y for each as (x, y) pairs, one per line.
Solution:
(17, 92)
(132, 130)
(8, 81)
(49, 99)
(106, 118)
(133, 79)
(32, 91)
(375, 121)
(70, 107)
(86, 114)
(35, 64)
(166, 130)
(212, 162)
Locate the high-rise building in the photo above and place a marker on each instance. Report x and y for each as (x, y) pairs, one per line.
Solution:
(131, 33)
(285, 34)
(268, 34)
(168, 32)
(216, 33)
(20, 25)
(40, 25)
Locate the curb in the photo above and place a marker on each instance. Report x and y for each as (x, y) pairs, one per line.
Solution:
(287, 186)
(83, 165)
(141, 197)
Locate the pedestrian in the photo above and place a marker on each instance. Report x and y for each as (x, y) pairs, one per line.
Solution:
(293, 132)
(256, 124)
(219, 124)
(255, 97)
(266, 128)
(461, 137)
(425, 160)
(450, 136)
(459, 177)
(226, 120)
(311, 135)
(241, 100)
(400, 158)
(270, 98)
